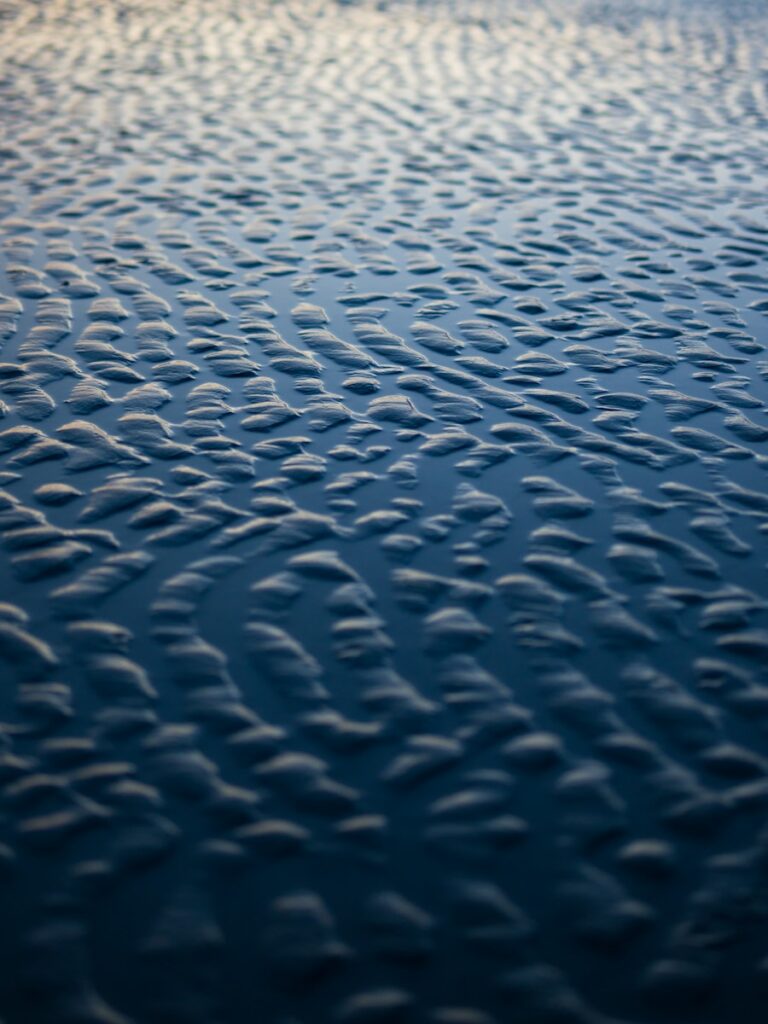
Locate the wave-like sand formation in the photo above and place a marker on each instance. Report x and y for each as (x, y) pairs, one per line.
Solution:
(383, 512)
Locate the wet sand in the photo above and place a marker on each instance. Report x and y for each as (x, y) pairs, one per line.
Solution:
(383, 512)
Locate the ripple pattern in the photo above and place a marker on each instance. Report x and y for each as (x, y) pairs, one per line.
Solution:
(383, 511)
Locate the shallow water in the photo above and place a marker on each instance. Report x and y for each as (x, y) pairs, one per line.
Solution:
(383, 512)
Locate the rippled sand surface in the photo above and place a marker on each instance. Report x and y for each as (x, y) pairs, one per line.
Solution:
(383, 512)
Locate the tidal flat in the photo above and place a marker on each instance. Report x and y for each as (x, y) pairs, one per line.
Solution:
(383, 511)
